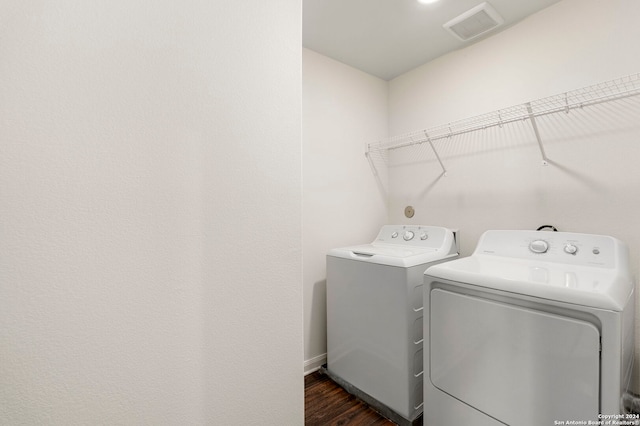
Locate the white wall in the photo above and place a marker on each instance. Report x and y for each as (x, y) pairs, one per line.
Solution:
(344, 203)
(495, 177)
(150, 211)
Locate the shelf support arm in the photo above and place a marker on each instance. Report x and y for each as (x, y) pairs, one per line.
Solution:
(545, 160)
(444, 170)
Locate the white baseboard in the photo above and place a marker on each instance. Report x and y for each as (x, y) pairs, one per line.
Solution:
(314, 363)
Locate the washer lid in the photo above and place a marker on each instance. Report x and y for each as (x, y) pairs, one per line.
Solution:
(603, 288)
(391, 254)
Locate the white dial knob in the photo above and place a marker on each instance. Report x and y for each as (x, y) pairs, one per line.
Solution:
(394, 235)
(408, 235)
(539, 246)
(424, 236)
(571, 249)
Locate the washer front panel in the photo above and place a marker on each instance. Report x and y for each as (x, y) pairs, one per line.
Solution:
(518, 365)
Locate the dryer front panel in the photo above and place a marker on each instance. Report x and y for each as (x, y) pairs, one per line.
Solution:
(517, 365)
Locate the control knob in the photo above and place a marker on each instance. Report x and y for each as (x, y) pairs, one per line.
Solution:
(408, 235)
(424, 236)
(539, 246)
(570, 249)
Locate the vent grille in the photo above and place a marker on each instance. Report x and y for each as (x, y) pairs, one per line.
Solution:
(474, 22)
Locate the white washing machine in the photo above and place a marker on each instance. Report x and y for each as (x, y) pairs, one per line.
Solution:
(374, 316)
(532, 329)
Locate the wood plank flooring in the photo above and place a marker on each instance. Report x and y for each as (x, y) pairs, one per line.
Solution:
(327, 404)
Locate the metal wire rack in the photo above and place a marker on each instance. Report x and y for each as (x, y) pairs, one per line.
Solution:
(607, 91)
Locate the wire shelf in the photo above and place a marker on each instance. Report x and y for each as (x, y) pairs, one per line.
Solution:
(608, 91)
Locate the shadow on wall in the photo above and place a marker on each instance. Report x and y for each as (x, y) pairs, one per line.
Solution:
(379, 162)
(580, 177)
(318, 314)
(430, 186)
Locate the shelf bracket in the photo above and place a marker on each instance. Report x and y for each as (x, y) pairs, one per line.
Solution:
(545, 160)
(444, 170)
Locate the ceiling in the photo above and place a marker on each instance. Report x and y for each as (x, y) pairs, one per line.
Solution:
(387, 38)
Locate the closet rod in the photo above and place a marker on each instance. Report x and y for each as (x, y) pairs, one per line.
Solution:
(521, 117)
(612, 90)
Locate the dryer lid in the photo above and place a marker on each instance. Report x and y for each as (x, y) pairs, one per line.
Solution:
(597, 288)
(596, 274)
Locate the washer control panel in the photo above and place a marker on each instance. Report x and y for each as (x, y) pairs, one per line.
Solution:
(416, 236)
(562, 247)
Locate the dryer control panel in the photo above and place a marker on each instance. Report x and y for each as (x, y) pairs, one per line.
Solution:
(561, 247)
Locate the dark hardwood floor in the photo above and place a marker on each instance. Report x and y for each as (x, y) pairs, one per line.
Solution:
(327, 404)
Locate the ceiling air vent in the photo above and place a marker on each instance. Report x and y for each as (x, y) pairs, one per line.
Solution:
(474, 22)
